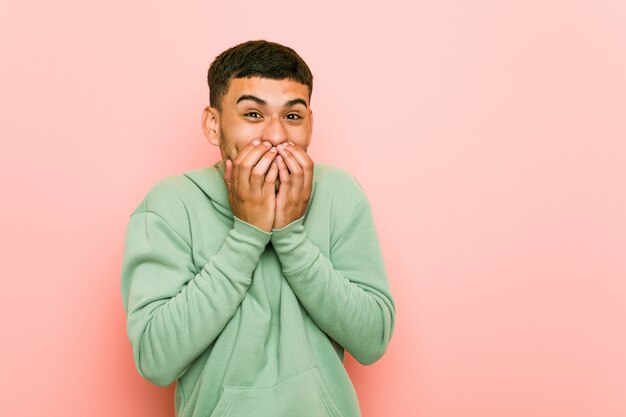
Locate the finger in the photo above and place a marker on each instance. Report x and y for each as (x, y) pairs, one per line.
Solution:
(283, 172)
(305, 162)
(269, 185)
(260, 170)
(228, 171)
(246, 150)
(240, 156)
(295, 170)
(288, 158)
(247, 163)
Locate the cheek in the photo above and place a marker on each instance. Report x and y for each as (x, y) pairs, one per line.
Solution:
(300, 137)
(237, 138)
(245, 134)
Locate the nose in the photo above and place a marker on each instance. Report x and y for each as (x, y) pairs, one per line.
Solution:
(274, 132)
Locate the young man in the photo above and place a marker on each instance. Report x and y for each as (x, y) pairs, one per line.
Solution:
(244, 281)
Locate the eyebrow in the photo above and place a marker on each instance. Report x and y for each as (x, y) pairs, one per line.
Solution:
(295, 101)
(263, 102)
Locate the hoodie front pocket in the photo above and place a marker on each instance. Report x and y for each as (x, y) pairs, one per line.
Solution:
(303, 395)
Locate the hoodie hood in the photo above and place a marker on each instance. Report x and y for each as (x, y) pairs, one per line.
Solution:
(210, 179)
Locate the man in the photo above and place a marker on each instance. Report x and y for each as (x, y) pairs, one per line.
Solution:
(244, 281)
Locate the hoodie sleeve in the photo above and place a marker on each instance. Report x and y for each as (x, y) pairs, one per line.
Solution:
(346, 294)
(174, 313)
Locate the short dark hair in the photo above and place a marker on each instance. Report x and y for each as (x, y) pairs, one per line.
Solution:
(255, 58)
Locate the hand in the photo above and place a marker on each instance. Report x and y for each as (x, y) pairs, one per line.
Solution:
(250, 179)
(295, 170)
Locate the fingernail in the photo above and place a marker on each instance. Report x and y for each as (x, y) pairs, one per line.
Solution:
(273, 149)
(256, 141)
(266, 143)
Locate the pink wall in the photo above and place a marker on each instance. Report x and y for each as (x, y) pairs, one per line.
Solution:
(490, 138)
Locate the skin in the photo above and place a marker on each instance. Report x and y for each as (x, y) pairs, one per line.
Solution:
(268, 172)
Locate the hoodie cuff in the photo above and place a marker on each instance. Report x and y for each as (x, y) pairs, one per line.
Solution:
(244, 245)
(292, 246)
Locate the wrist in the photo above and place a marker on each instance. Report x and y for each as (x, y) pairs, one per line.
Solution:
(244, 225)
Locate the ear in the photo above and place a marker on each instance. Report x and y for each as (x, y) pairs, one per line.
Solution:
(211, 125)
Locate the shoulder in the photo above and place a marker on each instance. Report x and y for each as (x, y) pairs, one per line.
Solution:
(167, 199)
(339, 182)
(335, 177)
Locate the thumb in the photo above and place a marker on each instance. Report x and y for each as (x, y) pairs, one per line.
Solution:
(228, 171)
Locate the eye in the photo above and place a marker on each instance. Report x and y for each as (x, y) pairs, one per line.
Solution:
(297, 116)
(250, 114)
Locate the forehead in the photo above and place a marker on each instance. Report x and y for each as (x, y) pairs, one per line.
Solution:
(275, 92)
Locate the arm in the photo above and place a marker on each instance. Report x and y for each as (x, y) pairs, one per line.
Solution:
(173, 313)
(347, 295)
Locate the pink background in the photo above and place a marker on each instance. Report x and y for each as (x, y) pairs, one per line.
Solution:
(489, 136)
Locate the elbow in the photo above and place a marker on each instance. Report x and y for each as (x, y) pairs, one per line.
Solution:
(152, 363)
(371, 351)
(368, 358)
(158, 375)
(161, 381)
(150, 355)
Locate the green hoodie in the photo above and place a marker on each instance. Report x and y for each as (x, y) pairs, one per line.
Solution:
(249, 322)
